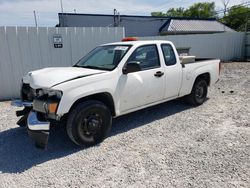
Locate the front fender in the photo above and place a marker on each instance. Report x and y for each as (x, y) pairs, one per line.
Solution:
(70, 98)
(80, 88)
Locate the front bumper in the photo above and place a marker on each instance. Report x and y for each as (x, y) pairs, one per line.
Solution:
(38, 130)
(35, 125)
(20, 103)
(22, 122)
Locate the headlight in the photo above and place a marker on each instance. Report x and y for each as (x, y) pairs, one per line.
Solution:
(52, 105)
(56, 93)
(50, 93)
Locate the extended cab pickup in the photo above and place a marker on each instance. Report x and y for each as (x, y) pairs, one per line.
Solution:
(112, 80)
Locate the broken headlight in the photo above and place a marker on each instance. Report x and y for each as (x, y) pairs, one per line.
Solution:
(50, 93)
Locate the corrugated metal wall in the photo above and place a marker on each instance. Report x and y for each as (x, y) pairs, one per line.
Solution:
(225, 46)
(248, 46)
(23, 49)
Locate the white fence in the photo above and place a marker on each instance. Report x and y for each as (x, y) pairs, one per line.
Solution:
(23, 49)
(225, 46)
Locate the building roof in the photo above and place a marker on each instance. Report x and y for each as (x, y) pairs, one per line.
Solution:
(136, 16)
(145, 25)
(194, 26)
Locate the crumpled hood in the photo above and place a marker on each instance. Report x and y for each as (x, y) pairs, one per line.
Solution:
(49, 77)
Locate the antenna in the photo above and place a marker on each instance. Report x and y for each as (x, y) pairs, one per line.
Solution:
(61, 6)
(35, 18)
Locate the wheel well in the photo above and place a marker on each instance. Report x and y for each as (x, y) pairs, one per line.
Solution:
(105, 98)
(205, 76)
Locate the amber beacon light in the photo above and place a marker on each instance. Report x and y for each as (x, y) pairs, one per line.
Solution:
(129, 39)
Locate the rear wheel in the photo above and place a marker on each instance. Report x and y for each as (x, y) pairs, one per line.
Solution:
(199, 93)
(89, 123)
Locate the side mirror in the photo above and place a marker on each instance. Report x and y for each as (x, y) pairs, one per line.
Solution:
(131, 67)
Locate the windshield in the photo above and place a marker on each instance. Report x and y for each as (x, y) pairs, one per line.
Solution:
(104, 57)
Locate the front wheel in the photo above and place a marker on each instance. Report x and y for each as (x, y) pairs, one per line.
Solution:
(199, 93)
(89, 123)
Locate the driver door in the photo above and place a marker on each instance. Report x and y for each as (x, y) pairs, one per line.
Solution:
(144, 87)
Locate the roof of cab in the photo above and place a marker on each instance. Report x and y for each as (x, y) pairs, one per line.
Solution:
(139, 42)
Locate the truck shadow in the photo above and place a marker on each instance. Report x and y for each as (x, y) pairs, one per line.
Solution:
(148, 115)
(17, 153)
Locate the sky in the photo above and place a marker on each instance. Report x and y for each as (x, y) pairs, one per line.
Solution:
(20, 12)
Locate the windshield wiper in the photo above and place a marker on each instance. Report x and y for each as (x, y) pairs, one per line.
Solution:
(86, 66)
(90, 67)
(76, 65)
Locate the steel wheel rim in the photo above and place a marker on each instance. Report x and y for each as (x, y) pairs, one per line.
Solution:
(90, 125)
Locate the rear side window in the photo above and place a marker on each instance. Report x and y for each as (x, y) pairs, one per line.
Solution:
(147, 57)
(168, 54)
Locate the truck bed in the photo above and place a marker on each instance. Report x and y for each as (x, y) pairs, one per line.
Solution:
(192, 59)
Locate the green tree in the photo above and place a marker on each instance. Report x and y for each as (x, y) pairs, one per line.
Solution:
(176, 12)
(238, 18)
(157, 14)
(197, 10)
(201, 10)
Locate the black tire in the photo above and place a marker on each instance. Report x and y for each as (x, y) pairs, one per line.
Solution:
(199, 93)
(89, 123)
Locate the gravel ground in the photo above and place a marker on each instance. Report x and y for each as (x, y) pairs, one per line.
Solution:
(169, 145)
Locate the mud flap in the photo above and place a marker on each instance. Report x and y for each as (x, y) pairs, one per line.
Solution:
(41, 138)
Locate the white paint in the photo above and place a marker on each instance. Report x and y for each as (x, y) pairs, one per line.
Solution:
(47, 77)
(131, 91)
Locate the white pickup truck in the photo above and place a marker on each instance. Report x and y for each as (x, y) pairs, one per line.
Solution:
(112, 80)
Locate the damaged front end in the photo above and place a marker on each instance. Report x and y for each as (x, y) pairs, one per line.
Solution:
(39, 110)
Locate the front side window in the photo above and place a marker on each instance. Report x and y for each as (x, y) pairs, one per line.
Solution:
(169, 54)
(146, 56)
(104, 57)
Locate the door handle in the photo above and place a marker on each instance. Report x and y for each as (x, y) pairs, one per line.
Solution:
(159, 74)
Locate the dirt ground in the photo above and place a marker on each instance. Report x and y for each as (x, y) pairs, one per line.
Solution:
(169, 145)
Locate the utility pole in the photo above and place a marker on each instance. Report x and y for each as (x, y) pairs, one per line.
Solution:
(225, 4)
(35, 18)
(115, 12)
(61, 6)
(117, 18)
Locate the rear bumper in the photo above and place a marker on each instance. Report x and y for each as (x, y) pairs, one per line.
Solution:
(38, 130)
